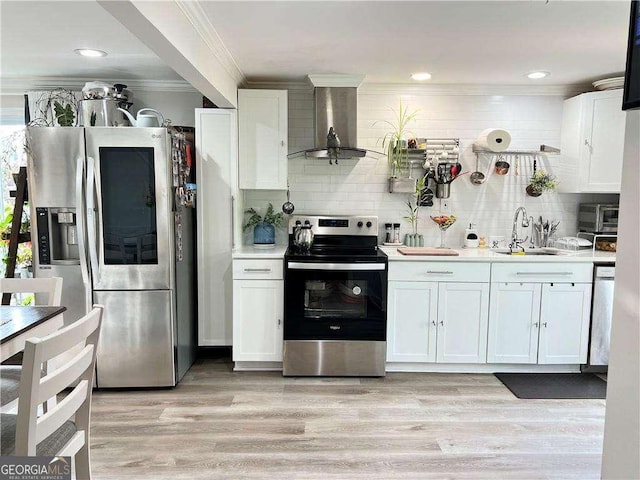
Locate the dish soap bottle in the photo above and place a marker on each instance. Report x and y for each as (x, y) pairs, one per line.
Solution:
(471, 237)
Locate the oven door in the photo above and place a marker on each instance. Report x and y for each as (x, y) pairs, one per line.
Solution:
(335, 301)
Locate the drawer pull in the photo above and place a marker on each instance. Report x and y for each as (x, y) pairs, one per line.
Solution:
(544, 273)
(257, 270)
(439, 272)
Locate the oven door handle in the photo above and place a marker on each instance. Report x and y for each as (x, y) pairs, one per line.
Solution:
(335, 266)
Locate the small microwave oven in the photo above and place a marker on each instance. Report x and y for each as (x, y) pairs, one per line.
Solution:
(598, 218)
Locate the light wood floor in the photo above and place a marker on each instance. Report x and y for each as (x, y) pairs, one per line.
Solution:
(218, 424)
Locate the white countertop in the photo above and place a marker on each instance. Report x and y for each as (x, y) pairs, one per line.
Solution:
(464, 255)
(488, 255)
(249, 251)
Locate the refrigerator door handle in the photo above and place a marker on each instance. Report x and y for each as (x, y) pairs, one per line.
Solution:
(80, 225)
(91, 220)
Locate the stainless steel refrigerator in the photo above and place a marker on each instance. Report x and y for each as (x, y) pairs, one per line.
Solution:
(105, 219)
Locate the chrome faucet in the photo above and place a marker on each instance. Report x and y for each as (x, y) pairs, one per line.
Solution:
(515, 241)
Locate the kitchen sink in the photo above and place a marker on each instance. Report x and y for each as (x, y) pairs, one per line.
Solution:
(530, 251)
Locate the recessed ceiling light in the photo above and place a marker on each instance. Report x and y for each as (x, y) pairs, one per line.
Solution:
(538, 75)
(90, 52)
(421, 76)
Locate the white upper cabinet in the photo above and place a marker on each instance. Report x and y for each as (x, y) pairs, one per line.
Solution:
(262, 139)
(592, 143)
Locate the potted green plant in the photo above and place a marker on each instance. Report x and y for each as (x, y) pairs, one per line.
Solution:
(395, 144)
(540, 182)
(264, 227)
(413, 210)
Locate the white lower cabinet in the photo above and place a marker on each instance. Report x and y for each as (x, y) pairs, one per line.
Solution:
(258, 309)
(544, 323)
(443, 322)
(462, 322)
(412, 310)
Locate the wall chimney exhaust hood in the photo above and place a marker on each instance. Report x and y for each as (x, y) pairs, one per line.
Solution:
(335, 117)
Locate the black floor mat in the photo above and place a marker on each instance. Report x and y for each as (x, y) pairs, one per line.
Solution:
(554, 385)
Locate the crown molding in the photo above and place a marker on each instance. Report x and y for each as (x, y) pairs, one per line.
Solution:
(283, 85)
(17, 85)
(469, 89)
(196, 15)
(335, 80)
(423, 90)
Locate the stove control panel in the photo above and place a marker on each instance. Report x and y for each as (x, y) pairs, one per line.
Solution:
(337, 225)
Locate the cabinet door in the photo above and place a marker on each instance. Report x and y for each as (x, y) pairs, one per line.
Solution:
(216, 166)
(411, 321)
(514, 315)
(463, 310)
(257, 320)
(262, 137)
(604, 142)
(564, 323)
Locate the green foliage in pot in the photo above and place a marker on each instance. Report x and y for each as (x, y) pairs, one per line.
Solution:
(64, 115)
(270, 217)
(413, 206)
(392, 140)
(541, 181)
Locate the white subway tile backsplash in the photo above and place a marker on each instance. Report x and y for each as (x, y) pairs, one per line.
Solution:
(359, 186)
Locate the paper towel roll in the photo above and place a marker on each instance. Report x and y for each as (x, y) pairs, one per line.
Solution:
(494, 139)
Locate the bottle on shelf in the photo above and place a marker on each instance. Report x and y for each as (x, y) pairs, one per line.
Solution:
(388, 238)
(396, 233)
(471, 239)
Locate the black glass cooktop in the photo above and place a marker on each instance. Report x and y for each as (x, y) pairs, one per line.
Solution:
(323, 254)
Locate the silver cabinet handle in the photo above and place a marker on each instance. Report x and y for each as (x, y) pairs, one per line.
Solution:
(544, 324)
(535, 325)
(439, 272)
(442, 323)
(543, 273)
(257, 270)
(433, 322)
(279, 322)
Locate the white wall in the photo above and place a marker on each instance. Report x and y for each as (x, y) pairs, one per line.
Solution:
(359, 186)
(178, 106)
(621, 459)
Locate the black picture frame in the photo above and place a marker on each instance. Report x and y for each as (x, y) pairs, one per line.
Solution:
(631, 96)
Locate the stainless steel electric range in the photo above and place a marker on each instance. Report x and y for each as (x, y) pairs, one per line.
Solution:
(335, 319)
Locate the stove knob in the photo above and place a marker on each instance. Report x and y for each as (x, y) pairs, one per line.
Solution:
(298, 222)
(369, 224)
(359, 224)
(307, 222)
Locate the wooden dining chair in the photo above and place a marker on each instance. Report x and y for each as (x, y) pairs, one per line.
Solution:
(52, 287)
(40, 287)
(64, 429)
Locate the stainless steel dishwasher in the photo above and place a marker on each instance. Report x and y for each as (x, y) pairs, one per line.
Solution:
(601, 313)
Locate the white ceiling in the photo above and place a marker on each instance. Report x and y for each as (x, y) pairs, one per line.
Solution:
(458, 42)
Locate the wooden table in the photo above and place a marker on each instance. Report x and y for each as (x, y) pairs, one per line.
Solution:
(17, 324)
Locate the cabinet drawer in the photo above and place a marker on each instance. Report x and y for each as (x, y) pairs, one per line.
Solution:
(257, 269)
(439, 271)
(542, 272)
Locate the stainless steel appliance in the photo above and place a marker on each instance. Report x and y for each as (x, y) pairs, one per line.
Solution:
(106, 221)
(335, 318)
(598, 218)
(601, 314)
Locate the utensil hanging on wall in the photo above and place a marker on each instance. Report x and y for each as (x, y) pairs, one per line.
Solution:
(288, 207)
(477, 177)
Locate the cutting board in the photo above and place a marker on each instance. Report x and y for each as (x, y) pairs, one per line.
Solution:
(447, 252)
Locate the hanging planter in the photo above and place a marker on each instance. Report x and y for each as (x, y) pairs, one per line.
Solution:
(541, 182)
(531, 192)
